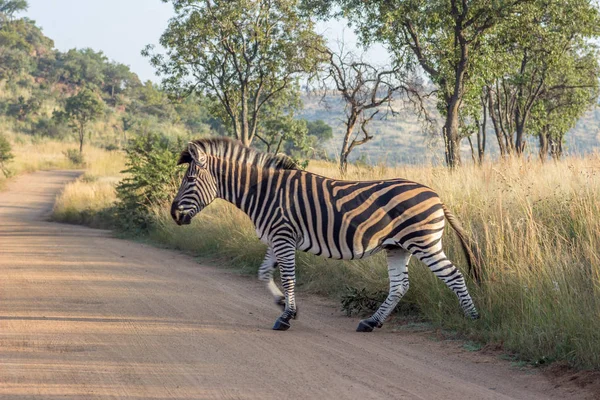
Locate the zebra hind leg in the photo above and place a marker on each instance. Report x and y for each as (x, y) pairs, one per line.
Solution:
(398, 272)
(438, 263)
(265, 274)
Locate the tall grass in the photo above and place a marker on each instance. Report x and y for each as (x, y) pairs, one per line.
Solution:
(89, 199)
(32, 153)
(538, 227)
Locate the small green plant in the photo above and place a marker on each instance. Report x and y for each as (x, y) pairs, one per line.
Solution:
(111, 147)
(472, 346)
(75, 157)
(358, 301)
(5, 155)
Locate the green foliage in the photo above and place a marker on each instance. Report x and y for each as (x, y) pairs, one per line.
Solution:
(360, 301)
(151, 179)
(8, 8)
(5, 154)
(24, 108)
(244, 55)
(36, 79)
(75, 157)
(366, 301)
(320, 130)
(20, 41)
(545, 71)
(80, 110)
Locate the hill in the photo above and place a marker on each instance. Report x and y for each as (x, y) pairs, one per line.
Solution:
(401, 139)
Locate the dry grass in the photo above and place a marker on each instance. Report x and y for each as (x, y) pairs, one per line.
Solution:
(86, 201)
(34, 154)
(538, 226)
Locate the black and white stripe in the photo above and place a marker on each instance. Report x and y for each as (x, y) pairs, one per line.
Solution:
(297, 210)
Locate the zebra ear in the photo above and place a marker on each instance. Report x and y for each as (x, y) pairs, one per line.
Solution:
(184, 157)
(196, 153)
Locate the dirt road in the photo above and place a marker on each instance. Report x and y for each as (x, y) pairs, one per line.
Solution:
(83, 315)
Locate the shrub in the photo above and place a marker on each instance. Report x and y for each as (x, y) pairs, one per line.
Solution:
(5, 155)
(51, 128)
(111, 147)
(75, 157)
(151, 179)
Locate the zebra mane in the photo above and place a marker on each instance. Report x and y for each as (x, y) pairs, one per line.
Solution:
(234, 150)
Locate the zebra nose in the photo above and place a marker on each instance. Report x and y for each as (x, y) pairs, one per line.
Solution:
(175, 211)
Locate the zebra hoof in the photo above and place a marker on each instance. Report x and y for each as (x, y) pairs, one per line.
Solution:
(281, 325)
(367, 325)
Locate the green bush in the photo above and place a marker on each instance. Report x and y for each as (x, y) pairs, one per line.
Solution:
(75, 157)
(151, 179)
(5, 155)
(49, 127)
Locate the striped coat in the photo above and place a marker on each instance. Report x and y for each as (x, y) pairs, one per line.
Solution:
(297, 210)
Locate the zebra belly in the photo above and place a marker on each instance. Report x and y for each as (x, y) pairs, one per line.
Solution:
(333, 251)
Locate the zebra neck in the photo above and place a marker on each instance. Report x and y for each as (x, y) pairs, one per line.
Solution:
(238, 183)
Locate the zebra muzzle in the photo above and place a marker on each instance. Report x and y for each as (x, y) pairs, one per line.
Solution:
(179, 215)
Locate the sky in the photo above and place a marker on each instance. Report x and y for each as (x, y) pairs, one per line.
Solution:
(122, 28)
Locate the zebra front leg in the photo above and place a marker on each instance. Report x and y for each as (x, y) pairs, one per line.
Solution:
(285, 254)
(265, 274)
(397, 259)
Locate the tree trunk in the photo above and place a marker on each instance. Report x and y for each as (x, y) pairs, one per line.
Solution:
(521, 111)
(346, 143)
(481, 135)
(556, 149)
(472, 150)
(451, 130)
(81, 134)
(451, 136)
(497, 130)
(543, 136)
(520, 129)
(245, 133)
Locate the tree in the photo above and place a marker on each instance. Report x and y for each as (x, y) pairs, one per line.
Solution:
(242, 54)
(79, 67)
(80, 110)
(278, 126)
(115, 77)
(547, 71)
(365, 90)
(5, 154)
(442, 36)
(21, 41)
(24, 108)
(311, 145)
(8, 8)
(320, 130)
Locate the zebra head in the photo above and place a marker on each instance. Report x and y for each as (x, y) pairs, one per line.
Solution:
(198, 188)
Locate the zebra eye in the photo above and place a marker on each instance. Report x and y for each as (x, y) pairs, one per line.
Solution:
(191, 179)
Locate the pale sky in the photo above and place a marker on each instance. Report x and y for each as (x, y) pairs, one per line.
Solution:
(122, 28)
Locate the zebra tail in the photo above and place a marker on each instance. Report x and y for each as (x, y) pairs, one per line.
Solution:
(469, 247)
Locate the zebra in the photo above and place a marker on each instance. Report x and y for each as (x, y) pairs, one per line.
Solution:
(293, 209)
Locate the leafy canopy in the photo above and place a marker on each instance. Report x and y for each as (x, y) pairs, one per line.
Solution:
(242, 54)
